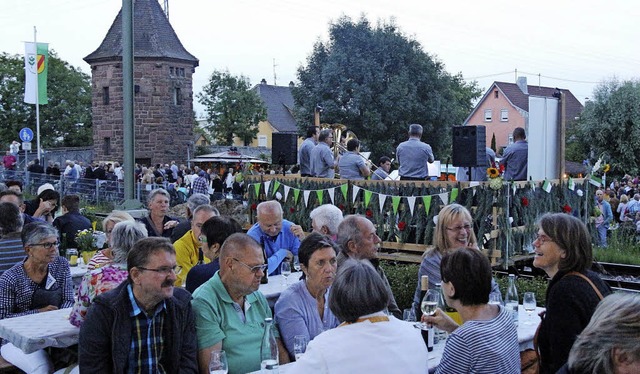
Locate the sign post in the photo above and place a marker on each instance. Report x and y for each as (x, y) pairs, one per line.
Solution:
(26, 135)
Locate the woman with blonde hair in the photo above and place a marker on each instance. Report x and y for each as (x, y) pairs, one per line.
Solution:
(454, 229)
(104, 256)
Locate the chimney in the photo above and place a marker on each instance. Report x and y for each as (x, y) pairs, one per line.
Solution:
(522, 85)
(263, 81)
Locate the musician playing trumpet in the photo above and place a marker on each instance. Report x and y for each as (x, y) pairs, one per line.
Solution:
(352, 165)
(323, 164)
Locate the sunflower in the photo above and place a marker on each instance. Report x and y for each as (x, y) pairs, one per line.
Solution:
(493, 172)
(606, 168)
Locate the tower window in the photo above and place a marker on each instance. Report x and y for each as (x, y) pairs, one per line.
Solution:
(107, 146)
(177, 96)
(105, 95)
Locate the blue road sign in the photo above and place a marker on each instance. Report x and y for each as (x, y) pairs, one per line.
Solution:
(26, 135)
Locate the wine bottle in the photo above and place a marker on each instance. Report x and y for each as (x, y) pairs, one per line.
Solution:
(511, 299)
(427, 333)
(269, 349)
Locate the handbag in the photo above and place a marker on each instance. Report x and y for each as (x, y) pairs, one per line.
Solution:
(530, 358)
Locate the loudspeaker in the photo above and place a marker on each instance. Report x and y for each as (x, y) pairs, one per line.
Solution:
(469, 146)
(284, 148)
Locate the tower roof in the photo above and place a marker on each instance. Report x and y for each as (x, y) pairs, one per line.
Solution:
(153, 37)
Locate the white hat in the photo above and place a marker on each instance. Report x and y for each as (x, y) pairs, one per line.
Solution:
(44, 187)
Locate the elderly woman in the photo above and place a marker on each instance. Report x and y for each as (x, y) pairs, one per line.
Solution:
(487, 336)
(158, 223)
(609, 343)
(214, 232)
(454, 229)
(563, 251)
(124, 235)
(303, 308)
(368, 341)
(104, 256)
(40, 283)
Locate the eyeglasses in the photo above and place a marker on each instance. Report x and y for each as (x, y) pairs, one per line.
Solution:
(46, 245)
(254, 269)
(165, 270)
(541, 238)
(466, 227)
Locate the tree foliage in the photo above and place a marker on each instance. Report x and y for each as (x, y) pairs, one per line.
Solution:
(377, 81)
(610, 125)
(233, 108)
(64, 122)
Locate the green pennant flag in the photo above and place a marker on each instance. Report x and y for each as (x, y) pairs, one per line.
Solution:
(546, 186)
(256, 188)
(454, 195)
(276, 185)
(427, 203)
(320, 194)
(395, 200)
(296, 195)
(595, 181)
(367, 198)
(572, 184)
(344, 188)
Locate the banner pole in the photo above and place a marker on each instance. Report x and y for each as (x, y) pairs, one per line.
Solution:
(37, 95)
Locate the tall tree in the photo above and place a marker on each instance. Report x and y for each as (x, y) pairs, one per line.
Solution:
(233, 108)
(377, 81)
(64, 122)
(610, 125)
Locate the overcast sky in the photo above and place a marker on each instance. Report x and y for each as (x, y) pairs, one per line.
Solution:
(573, 45)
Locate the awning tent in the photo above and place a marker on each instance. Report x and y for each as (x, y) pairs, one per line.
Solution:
(229, 157)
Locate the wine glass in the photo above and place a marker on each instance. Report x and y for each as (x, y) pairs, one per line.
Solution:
(495, 299)
(285, 270)
(218, 363)
(429, 304)
(529, 304)
(299, 345)
(296, 263)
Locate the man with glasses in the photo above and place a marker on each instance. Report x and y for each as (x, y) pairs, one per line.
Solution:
(322, 163)
(188, 252)
(145, 324)
(230, 311)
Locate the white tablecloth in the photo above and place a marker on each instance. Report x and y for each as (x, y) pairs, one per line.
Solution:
(78, 271)
(36, 331)
(276, 285)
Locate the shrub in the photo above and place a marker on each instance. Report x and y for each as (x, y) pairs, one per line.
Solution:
(403, 279)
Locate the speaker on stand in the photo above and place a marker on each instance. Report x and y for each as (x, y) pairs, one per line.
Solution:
(469, 147)
(284, 149)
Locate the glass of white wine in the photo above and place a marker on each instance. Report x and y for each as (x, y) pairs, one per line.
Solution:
(218, 363)
(529, 304)
(429, 304)
(299, 345)
(296, 263)
(285, 270)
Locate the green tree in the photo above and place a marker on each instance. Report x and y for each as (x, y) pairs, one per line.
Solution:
(377, 81)
(232, 107)
(610, 125)
(493, 142)
(64, 122)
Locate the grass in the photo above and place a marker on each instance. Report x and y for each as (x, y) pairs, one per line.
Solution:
(623, 248)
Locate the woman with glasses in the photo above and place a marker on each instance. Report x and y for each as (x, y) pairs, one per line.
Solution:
(104, 256)
(214, 232)
(563, 251)
(454, 229)
(303, 308)
(40, 283)
(124, 235)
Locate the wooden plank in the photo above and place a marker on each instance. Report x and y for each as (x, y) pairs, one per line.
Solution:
(409, 247)
(401, 257)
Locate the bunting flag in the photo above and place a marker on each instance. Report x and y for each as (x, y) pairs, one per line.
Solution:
(395, 201)
(306, 194)
(256, 188)
(286, 192)
(296, 195)
(454, 194)
(427, 203)
(533, 186)
(367, 198)
(320, 194)
(572, 184)
(411, 200)
(332, 192)
(276, 185)
(344, 188)
(381, 199)
(36, 62)
(444, 197)
(266, 187)
(546, 186)
(595, 181)
(354, 193)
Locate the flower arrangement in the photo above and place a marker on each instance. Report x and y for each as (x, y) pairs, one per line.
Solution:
(495, 177)
(86, 240)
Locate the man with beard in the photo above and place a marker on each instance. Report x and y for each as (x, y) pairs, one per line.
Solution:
(143, 325)
(230, 311)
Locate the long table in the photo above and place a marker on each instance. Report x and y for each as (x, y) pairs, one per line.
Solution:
(40, 330)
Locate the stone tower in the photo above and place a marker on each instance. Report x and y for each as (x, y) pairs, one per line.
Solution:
(163, 93)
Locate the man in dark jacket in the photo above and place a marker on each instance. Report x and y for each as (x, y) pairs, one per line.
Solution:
(71, 221)
(143, 325)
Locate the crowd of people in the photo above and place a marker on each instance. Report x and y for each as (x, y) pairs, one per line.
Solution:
(167, 291)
